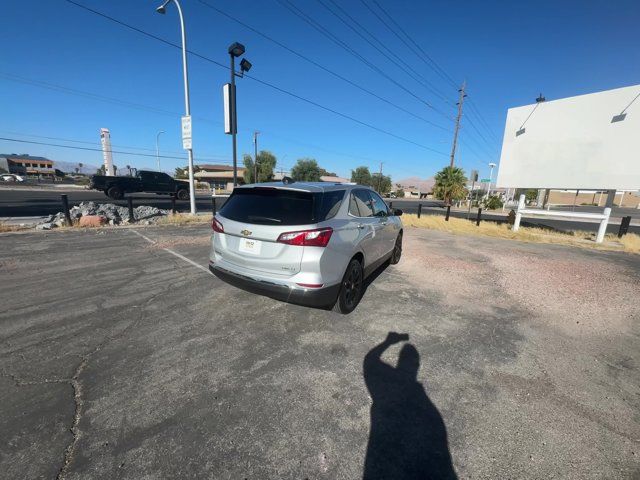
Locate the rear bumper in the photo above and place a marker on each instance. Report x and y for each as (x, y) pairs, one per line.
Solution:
(317, 297)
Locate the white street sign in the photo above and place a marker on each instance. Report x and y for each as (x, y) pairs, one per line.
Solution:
(186, 132)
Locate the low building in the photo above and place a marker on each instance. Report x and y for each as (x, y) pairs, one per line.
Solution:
(25, 164)
(333, 179)
(414, 187)
(219, 177)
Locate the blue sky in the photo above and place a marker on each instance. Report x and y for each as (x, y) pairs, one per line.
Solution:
(507, 52)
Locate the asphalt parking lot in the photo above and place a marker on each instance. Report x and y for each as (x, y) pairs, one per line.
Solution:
(123, 357)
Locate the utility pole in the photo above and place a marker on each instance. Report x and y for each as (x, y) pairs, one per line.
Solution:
(458, 117)
(255, 157)
(380, 178)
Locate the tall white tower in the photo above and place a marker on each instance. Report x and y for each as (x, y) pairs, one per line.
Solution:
(105, 139)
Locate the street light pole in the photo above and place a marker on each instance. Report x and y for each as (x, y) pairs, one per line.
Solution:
(158, 149)
(492, 165)
(235, 50)
(234, 117)
(187, 106)
(255, 157)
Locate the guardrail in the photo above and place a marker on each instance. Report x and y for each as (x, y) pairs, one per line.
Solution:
(602, 217)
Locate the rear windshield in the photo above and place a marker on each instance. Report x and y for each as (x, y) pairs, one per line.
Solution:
(272, 206)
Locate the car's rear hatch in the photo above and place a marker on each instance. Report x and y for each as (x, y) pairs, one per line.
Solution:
(254, 218)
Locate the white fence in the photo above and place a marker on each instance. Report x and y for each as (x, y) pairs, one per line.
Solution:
(602, 217)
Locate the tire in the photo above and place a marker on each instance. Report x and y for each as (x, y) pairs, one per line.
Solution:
(115, 193)
(182, 194)
(351, 288)
(397, 250)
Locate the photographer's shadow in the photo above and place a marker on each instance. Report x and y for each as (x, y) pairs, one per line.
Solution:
(408, 439)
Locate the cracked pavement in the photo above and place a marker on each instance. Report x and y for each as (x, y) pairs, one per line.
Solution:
(120, 360)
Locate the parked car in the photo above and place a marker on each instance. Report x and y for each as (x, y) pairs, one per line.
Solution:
(11, 177)
(307, 243)
(143, 181)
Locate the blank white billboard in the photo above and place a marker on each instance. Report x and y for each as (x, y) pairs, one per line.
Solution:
(586, 142)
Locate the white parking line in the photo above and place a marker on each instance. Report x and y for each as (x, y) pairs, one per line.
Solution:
(181, 257)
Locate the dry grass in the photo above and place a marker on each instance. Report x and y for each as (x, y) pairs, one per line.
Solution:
(184, 219)
(5, 227)
(631, 243)
(628, 243)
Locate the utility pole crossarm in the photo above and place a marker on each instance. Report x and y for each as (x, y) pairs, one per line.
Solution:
(458, 118)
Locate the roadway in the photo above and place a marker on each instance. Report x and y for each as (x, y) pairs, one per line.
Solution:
(27, 202)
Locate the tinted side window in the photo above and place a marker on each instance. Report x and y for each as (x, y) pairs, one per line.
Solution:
(330, 204)
(363, 201)
(379, 207)
(353, 206)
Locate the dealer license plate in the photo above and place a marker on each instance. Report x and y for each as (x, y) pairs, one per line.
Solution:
(248, 245)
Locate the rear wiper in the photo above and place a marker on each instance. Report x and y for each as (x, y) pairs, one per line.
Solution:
(254, 217)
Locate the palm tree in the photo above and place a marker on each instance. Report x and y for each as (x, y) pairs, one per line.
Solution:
(450, 184)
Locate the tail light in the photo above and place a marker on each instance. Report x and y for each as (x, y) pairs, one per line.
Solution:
(217, 226)
(307, 238)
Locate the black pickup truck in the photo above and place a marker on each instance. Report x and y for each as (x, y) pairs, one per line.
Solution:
(142, 181)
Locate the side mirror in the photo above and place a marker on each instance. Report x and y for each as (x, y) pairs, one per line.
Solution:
(397, 212)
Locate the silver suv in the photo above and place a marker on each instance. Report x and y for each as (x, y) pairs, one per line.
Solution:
(306, 243)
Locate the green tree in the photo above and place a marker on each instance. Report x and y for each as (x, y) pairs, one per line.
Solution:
(381, 184)
(266, 166)
(400, 192)
(101, 170)
(450, 184)
(181, 173)
(361, 176)
(326, 173)
(306, 170)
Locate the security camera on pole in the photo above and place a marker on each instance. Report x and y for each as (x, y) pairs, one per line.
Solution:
(229, 92)
(186, 120)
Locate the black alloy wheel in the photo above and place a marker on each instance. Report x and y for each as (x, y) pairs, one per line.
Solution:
(397, 250)
(352, 287)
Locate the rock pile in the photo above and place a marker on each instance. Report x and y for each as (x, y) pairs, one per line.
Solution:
(113, 214)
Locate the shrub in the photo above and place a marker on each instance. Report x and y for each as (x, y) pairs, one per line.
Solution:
(493, 202)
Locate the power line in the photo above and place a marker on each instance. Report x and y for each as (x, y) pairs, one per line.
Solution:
(417, 77)
(439, 70)
(484, 151)
(322, 67)
(263, 82)
(473, 125)
(344, 115)
(60, 88)
(71, 91)
(482, 120)
(207, 157)
(315, 25)
(119, 152)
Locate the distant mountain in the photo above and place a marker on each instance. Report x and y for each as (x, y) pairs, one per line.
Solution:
(416, 183)
(70, 167)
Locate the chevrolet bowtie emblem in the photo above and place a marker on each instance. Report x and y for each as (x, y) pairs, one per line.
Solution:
(246, 233)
